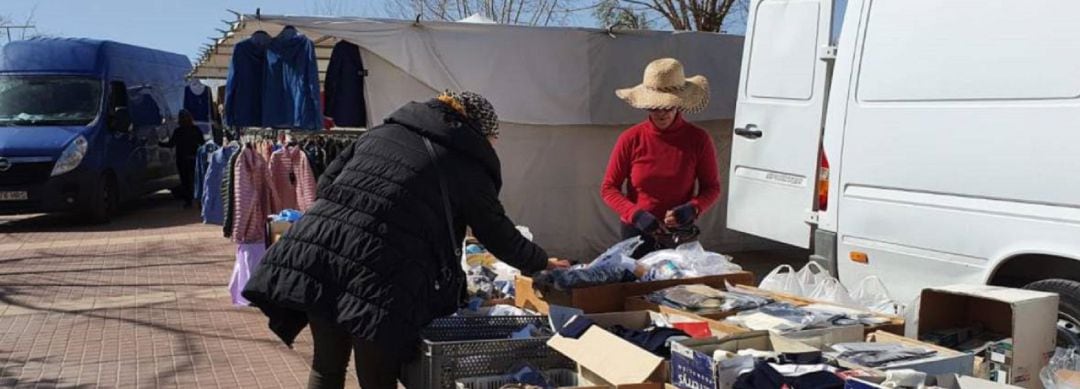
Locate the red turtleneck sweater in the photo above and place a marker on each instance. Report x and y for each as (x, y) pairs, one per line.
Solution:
(662, 167)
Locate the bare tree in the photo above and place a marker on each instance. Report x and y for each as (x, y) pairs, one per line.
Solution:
(694, 15)
(611, 14)
(331, 7)
(16, 30)
(523, 12)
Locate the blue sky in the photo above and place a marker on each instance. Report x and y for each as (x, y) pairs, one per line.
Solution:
(180, 26)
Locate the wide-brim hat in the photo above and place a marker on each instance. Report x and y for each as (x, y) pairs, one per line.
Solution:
(665, 86)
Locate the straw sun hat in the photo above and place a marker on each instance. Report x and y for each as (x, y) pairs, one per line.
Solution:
(666, 86)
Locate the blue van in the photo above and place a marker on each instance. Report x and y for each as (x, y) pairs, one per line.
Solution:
(80, 122)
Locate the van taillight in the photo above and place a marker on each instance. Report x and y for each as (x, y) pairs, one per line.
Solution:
(823, 182)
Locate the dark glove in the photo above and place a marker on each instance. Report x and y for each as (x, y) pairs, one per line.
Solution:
(646, 222)
(685, 214)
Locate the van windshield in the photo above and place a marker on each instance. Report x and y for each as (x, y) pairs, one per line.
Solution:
(48, 100)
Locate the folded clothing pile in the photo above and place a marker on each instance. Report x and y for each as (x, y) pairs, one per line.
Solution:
(879, 354)
(703, 299)
(655, 339)
(784, 317)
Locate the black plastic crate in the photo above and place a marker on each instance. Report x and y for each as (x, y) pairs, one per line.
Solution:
(477, 346)
(559, 377)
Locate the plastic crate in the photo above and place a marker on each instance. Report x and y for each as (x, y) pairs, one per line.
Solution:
(558, 377)
(461, 346)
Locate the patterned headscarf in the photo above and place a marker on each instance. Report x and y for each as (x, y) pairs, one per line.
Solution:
(476, 108)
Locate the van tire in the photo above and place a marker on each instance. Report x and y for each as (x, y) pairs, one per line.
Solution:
(103, 202)
(1068, 329)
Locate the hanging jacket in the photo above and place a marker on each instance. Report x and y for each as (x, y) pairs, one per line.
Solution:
(345, 86)
(197, 101)
(202, 164)
(228, 195)
(291, 83)
(292, 180)
(213, 208)
(244, 85)
(254, 199)
(372, 250)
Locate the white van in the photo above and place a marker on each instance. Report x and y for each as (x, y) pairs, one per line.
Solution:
(927, 142)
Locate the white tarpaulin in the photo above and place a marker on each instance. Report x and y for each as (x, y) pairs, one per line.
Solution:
(553, 89)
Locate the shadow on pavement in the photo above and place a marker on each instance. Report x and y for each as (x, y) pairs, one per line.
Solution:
(159, 210)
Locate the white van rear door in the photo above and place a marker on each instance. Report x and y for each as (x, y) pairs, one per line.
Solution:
(778, 119)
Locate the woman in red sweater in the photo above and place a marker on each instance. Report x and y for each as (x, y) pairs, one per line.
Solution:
(662, 159)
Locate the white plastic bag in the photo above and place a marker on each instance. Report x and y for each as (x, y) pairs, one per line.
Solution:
(872, 294)
(701, 263)
(1064, 361)
(830, 290)
(783, 279)
(811, 274)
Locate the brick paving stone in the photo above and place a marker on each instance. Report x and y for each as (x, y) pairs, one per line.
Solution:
(141, 302)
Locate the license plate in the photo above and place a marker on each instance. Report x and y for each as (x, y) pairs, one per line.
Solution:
(14, 196)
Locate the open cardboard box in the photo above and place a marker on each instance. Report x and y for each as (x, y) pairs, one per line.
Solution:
(693, 367)
(945, 362)
(1027, 317)
(605, 359)
(952, 381)
(611, 297)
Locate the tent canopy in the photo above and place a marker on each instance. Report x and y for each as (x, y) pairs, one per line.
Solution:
(534, 75)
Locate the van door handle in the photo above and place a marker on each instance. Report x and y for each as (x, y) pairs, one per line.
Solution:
(749, 132)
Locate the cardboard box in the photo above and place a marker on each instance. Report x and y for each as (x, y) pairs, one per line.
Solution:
(693, 367)
(947, 382)
(605, 359)
(1027, 317)
(608, 298)
(945, 362)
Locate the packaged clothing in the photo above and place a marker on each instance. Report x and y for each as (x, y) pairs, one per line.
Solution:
(248, 257)
(292, 179)
(879, 354)
(769, 376)
(695, 298)
(254, 199)
(1063, 370)
(656, 340)
(735, 301)
(345, 86)
(244, 83)
(290, 95)
(566, 279)
(619, 255)
(686, 261)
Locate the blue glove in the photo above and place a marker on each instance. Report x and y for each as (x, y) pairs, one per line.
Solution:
(646, 222)
(685, 214)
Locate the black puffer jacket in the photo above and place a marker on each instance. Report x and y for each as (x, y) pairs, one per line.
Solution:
(373, 248)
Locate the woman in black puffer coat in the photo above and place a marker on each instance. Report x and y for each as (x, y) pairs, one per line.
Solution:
(377, 258)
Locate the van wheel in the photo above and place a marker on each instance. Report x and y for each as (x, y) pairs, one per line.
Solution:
(1068, 327)
(104, 201)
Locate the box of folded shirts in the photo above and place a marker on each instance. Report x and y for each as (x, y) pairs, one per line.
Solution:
(884, 351)
(1011, 330)
(625, 348)
(698, 299)
(746, 358)
(915, 381)
(604, 284)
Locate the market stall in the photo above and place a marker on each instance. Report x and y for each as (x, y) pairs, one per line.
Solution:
(553, 89)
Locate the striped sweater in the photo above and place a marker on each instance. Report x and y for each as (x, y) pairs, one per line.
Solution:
(292, 179)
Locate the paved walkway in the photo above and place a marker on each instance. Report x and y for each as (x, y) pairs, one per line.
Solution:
(139, 303)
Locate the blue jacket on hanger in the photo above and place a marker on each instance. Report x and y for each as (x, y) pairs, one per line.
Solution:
(291, 83)
(244, 86)
(345, 86)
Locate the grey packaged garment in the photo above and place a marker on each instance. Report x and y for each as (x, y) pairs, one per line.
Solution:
(879, 354)
(734, 301)
(691, 297)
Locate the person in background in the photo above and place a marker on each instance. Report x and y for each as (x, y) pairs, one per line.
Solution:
(377, 256)
(186, 139)
(662, 159)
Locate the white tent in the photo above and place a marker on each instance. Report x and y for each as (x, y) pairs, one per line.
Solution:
(553, 89)
(478, 19)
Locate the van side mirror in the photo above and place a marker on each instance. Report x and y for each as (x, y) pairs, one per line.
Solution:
(120, 120)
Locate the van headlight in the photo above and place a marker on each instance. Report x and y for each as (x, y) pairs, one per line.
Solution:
(71, 157)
